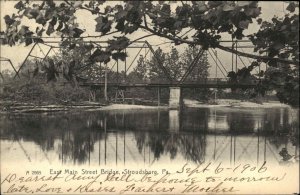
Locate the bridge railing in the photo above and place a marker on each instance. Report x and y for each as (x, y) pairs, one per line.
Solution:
(208, 81)
(204, 81)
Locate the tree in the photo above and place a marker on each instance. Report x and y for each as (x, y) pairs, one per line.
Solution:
(156, 74)
(207, 20)
(140, 71)
(200, 70)
(285, 80)
(174, 64)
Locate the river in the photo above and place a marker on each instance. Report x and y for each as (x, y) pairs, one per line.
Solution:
(147, 137)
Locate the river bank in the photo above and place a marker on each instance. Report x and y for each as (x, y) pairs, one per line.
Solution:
(19, 107)
(234, 103)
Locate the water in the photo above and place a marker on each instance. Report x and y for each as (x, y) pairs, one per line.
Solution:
(147, 137)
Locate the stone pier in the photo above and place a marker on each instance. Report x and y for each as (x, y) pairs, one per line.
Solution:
(175, 100)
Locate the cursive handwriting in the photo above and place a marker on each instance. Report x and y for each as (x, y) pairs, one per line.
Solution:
(189, 179)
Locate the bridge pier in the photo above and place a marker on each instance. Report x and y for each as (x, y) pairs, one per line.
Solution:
(175, 100)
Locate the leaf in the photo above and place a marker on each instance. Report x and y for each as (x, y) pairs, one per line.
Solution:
(50, 30)
(291, 7)
(232, 75)
(8, 20)
(120, 25)
(23, 30)
(166, 9)
(108, 9)
(152, 16)
(49, 13)
(53, 21)
(183, 11)
(100, 56)
(38, 40)
(65, 43)
(101, 1)
(254, 64)
(39, 32)
(228, 7)
(256, 12)
(119, 43)
(28, 41)
(272, 63)
(129, 28)
(201, 6)
(103, 24)
(213, 4)
(77, 4)
(119, 56)
(77, 32)
(244, 24)
(161, 21)
(121, 14)
(60, 26)
(40, 19)
(178, 24)
(19, 5)
(259, 20)
(261, 73)
(88, 47)
(32, 13)
(72, 46)
(278, 46)
(252, 12)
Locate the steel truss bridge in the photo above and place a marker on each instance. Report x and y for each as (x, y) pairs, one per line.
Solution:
(122, 83)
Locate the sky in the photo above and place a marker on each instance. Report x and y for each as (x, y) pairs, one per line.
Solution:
(17, 54)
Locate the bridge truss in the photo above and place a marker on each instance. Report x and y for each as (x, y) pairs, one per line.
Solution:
(3, 59)
(119, 81)
(53, 46)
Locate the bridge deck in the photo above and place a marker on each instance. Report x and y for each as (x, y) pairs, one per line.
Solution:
(218, 84)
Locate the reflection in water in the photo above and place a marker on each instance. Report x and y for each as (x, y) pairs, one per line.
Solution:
(147, 137)
(174, 121)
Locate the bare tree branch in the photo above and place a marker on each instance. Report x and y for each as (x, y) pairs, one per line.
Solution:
(98, 36)
(145, 21)
(256, 56)
(141, 38)
(84, 37)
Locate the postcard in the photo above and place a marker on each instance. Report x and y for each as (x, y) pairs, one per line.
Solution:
(149, 97)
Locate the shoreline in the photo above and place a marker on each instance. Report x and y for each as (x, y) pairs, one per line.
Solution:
(18, 107)
(232, 103)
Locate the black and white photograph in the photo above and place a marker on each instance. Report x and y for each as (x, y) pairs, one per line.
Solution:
(149, 97)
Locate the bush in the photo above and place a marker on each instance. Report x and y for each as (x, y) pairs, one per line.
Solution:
(37, 92)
